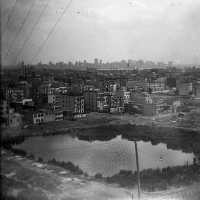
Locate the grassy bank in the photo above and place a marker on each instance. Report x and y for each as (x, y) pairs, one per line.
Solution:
(151, 179)
(174, 138)
(158, 179)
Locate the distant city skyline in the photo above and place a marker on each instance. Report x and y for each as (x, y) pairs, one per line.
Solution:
(159, 31)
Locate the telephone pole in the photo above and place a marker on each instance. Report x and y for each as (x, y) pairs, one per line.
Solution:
(138, 169)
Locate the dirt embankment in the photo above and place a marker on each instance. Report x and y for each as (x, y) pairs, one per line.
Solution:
(102, 121)
(25, 178)
(23, 174)
(175, 138)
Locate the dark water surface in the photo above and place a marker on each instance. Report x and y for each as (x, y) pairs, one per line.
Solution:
(106, 157)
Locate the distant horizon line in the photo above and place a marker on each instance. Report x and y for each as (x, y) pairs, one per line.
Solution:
(100, 61)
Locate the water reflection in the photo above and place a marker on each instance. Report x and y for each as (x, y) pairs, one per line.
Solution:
(106, 157)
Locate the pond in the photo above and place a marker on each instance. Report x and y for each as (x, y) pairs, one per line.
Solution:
(105, 157)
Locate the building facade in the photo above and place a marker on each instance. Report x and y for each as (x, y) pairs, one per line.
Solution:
(15, 120)
(156, 85)
(103, 102)
(46, 115)
(90, 101)
(184, 88)
(73, 106)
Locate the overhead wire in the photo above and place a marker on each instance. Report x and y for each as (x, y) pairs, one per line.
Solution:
(21, 27)
(51, 31)
(32, 30)
(10, 15)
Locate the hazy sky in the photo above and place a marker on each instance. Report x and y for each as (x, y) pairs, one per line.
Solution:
(158, 30)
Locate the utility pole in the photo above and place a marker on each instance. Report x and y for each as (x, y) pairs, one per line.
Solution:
(138, 170)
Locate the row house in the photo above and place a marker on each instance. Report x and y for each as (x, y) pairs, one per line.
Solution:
(110, 102)
(151, 104)
(96, 101)
(110, 85)
(135, 85)
(124, 94)
(91, 100)
(55, 101)
(46, 115)
(103, 102)
(157, 85)
(116, 104)
(73, 106)
(62, 90)
(20, 92)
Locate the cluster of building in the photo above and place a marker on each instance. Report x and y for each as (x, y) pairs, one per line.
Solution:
(41, 99)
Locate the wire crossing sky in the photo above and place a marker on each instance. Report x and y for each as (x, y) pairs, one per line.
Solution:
(110, 30)
(31, 32)
(10, 16)
(51, 31)
(20, 28)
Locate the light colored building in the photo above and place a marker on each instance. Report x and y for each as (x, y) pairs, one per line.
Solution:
(113, 87)
(45, 115)
(27, 102)
(127, 96)
(38, 117)
(55, 101)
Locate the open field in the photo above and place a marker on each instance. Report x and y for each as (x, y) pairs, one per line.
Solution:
(27, 179)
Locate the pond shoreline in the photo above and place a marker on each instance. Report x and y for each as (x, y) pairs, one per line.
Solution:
(152, 180)
(122, 128)
(188, 140)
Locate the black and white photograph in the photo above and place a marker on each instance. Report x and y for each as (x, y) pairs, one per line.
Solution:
(100, 100)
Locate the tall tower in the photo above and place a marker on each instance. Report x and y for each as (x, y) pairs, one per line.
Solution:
(24, 70)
